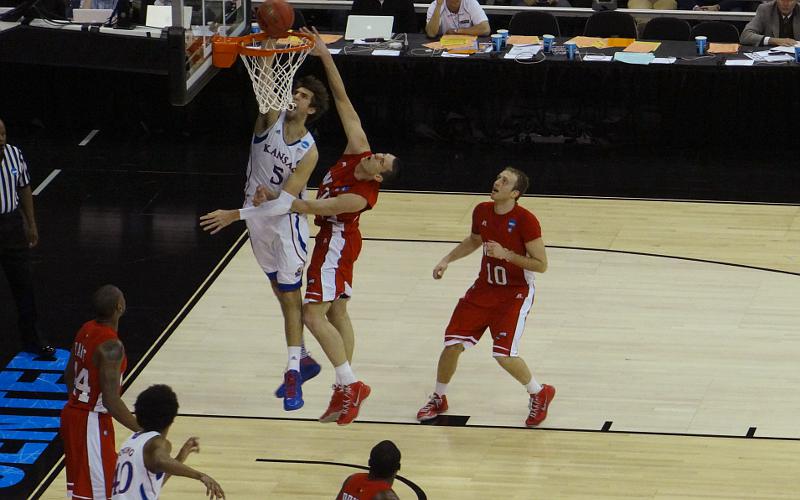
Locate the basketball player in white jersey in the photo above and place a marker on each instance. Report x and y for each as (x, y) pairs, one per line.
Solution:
(144, 463)
(282, 157)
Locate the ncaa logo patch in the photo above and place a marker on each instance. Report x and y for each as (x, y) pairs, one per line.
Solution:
(305, 144)
(512, 223)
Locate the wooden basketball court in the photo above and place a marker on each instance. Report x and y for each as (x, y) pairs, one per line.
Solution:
(669, 329)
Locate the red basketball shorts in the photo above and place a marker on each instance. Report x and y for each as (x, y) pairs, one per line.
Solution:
(502, 310)
(330, 273)
(89, 453)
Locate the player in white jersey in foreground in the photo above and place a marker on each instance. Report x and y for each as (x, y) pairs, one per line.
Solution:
(144, 463)
(282, 157)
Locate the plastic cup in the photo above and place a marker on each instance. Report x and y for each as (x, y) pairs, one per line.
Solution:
(497, 42)
(547, 43)
(797, 54)
(504, 33)
(572, 49)
(702, 45)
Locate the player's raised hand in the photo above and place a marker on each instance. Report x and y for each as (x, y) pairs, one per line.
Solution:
(496, 250)
(192, 445)
(439, 270)
(320, 49)
(213, 489)
(218, 219)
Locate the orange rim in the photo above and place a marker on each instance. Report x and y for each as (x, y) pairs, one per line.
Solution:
(240, 44)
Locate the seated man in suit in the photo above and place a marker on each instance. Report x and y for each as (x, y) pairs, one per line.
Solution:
(462, 17)
(405, 20)
(775, 23)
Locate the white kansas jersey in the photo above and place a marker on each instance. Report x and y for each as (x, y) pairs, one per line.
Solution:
(272, 160)
(132, 480)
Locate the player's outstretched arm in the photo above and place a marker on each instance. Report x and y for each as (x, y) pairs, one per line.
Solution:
(466, 247)
(158, 460)
(356, 137)
(342, 204)
(109, 360)
(217, 220)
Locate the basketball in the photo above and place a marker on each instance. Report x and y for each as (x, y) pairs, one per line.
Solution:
(275, 17)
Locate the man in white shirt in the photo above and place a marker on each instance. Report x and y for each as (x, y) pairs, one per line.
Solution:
(462, 17)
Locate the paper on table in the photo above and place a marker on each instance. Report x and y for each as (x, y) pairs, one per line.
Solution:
(634, 57)
(619, 42)
(779, 58)
(642, 47)
(451, 54)
(523, 52)
(334, 51)
(788, 50)
(739, 62)
(724, 48)
(588, 41)
(522, 40)
(597, 58)
(448, 41)
(385, 52)
(664, 60)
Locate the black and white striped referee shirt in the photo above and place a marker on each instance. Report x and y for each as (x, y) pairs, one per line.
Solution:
(13, 175)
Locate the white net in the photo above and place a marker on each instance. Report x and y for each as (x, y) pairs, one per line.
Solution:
(273, 75)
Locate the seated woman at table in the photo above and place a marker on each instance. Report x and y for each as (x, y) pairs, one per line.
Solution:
(462, 17)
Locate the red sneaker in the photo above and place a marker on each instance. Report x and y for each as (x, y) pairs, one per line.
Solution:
(538, 405)
(354, 395)
(435, 407)
(335, 406)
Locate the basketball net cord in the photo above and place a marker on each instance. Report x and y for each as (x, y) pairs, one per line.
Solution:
(273, 78)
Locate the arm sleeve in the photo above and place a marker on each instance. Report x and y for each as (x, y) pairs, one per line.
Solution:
(281, 205)
(476, 12)
(531, 229)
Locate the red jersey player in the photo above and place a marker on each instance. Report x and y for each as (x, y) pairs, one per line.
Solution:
(384, 462)
(93, 376)
(349, 188)
(501, 297)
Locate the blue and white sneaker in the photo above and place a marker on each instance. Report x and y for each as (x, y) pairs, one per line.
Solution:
(293, 397)
(308, 370)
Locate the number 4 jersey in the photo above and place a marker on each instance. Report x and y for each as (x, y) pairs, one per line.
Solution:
(511, 230)
(87, 394)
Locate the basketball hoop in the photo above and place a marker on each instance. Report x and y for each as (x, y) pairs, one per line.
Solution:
(271, 69)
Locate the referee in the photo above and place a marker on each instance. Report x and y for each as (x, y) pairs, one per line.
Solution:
(18, 234)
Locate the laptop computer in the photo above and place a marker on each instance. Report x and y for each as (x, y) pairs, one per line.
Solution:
(160, 16)
(361, 27)
(92, 16)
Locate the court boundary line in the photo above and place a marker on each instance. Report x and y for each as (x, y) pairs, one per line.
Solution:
(166, 333)
(630, 252)
(750, 434)
(416, 489)
(603, 198)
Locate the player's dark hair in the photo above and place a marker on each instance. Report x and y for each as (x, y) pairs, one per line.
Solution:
(522, 180)
(384, 460)
(156, 407)
(105, 301)
(320, 101)
(389, 175)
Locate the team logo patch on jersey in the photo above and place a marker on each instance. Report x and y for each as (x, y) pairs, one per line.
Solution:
(299, 272)
(13, 170)
(512, 223)
(305, 144)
